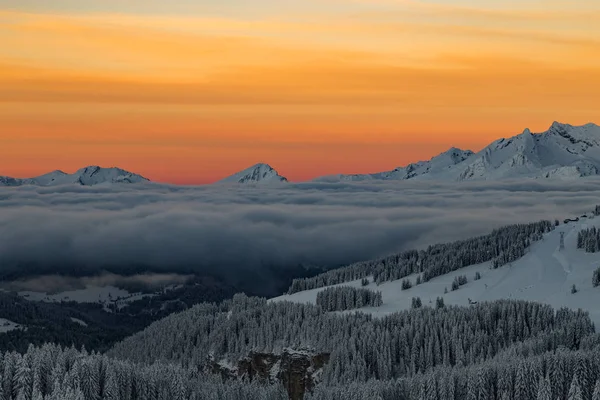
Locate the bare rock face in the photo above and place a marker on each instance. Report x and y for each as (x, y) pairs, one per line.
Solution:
(297, 370)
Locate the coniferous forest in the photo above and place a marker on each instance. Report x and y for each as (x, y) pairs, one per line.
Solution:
(500, 350)
(348, 298)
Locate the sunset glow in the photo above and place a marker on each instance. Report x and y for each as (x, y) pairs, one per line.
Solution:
(192, 92)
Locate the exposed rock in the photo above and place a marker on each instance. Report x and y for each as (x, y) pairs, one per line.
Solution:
(297, 370)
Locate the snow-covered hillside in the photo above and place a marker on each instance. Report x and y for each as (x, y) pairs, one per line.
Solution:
(88, 176)
(437, 166)
(563, 151)
(259, 173)
(545, 274)
(7, 325)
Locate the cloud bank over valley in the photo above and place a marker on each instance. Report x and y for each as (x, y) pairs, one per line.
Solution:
(238, 232)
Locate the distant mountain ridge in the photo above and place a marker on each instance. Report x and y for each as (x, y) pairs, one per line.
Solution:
(563, 151)
(88, 176)
(260, 174)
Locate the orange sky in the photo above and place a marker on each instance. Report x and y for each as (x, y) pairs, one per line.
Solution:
(338, 86)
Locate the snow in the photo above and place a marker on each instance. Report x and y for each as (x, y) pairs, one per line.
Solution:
(7, 325)
(437, 165)
(227, 365)
(562, 152)
(259, 173)
(88, 176)
(78, 321)
(91, 294)
(545, 274)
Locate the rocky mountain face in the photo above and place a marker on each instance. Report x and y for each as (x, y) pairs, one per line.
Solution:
(259, 173)
(297, 370)
(88, 176)
(563, 151)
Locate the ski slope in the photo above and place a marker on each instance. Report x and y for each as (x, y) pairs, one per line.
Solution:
(545, 274)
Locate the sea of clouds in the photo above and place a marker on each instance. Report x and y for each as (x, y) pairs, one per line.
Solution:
(229, 229)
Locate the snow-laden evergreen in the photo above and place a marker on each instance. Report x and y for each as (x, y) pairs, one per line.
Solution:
(348, 298)
(402, 344)
(503, 246)
(589, 240)
(505, 349)
(53, 373)
(560, 375)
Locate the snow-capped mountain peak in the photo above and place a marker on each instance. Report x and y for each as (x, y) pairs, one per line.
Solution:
(258, 173)
(563, 151)
(87, 176)
(93, 175)
(419, 170)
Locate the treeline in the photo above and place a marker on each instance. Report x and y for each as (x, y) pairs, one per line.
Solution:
(348, 298)
(459, 281)
(589, 240)
(53, 373)
(361, 347)
(502, 246)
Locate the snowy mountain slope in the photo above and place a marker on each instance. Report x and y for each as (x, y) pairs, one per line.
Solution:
(545, 274)
(88, 176)
(563, 151)
(436, 166)
(259, 173)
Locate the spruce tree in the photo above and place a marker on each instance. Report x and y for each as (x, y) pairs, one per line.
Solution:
(544, 389)
(575, 392)
(596, 393)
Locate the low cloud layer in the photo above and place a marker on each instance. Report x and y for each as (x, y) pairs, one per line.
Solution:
(57, 283)
(234, 230)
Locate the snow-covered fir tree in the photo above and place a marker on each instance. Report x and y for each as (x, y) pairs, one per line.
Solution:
(348, 298)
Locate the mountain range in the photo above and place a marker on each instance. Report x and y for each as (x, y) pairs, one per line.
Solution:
(563, 151)
(88, 176)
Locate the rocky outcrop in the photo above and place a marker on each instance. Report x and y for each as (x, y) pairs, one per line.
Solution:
(297, 370)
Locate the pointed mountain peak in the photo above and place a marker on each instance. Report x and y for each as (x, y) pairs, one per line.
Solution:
(258, 173)
(556, 126)
(262, 166)
(456, 150)
(526, 131)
